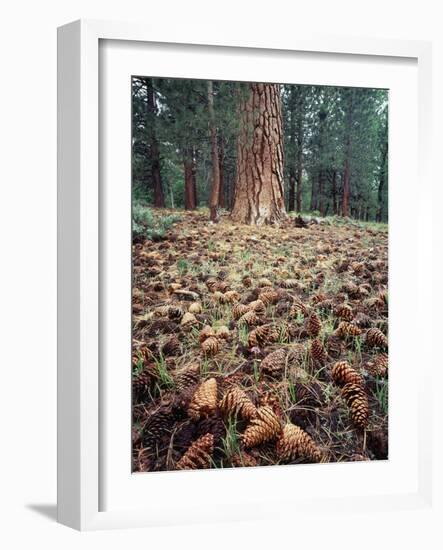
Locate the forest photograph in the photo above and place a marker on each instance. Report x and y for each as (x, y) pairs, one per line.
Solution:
(259, 274)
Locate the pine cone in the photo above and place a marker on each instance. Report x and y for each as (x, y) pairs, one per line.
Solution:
(198, 455)
(318, 353)
(161, 311)
(268, 297)
(212, 284)
(290, 283)
(357, 400)
(343, 373)
(376, 338)
(297, 308)
(213, 425)
(158, 425)
(247, 281)
(351, 290)
(175, 313)
(171, 346)
(204, 400)
(141, 382)
(243, 459)
(188, 320)
(334, 346)
(231, 297)
(236, 402)
(264, 282)
(314, 324)
(211, 346)
(274, 363)
(344, 311)
(222, 332)
(239, 310)
(347, 329)
(265, 426)
(195, 308)
(379, 366)
(265, 334)
(258, 307)
(205, 332)
(250, 319)
(296, 443)
(186, 378)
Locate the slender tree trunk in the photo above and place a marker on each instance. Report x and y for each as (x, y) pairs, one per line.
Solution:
(190, 188)
(381, 183)
(346, 190)
(221, 160)
(291, 205)
(292, 160)
(159, 199)
(215, 186)
(334, 192)
(348, 149)
(259, 194)
(321, 205)
(314, 193)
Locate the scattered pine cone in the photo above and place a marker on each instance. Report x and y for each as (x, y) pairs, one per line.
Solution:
(188, 320)
(212, 284)
(171, 346)
(258, 307)
(357, 400)
(344, 311)
(318, 352)
(379, 366)
(205, 333)
(247, 281)
(265, 426)
(296, 443)
(243, 459)
(236, 402)
(334, 346)
(314, 324)
(264, 282)
(198, 455)
(268, 297)
(186, 378)
(175, 313)
(376, 338)
(343, 373)
(239, 310)
(290, 283)
(210, 346)
(231, 297)
(195, 308)
(250, 319)
(158, 425)
(142, 381)
(345, 329)
(266, 334)
(274, 363)
(297, 308)
(204, 400)
(222, 332)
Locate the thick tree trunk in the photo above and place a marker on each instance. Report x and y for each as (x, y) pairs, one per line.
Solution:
(215, 186)
(259, 195)
(154, 150)
(189, 170)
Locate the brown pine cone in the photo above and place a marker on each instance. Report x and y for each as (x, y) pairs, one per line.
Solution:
(141, 356)
(313, 324)
(268, 297)
(250, 319)
(213, 425)
(379, 366)
(347, 329)
(188, 320)
(205, 332)
(212, 284)
(264, 426)
(175, 313)
(274, 363)
(357, 400)
(142, 381)
(239, 310)
(263, 282)
(297, 308)
(289, 283)
(195, 308)
(204, 400)
(231, 297)
(211, 346)
(171, 346)
(376, 338)
(258, 307)
(318, 352)
(334, 345)
(296, 443)
(343, 373)
(158, 425)
(222, 332)
(344, 311)
(186, 378)
(198, 455)
(351, 289)
(247, 281)
(236, 402)
(266, 334)
(243, 459)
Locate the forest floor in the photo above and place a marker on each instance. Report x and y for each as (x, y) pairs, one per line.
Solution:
(237, 332)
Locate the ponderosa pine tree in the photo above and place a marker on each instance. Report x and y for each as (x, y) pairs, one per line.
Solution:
(154, 150)
(214, 197)
(259, 195)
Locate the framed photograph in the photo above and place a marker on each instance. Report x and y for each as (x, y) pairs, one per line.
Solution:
(238, 276)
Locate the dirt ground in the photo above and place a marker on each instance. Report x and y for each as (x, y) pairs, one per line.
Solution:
(211, 303)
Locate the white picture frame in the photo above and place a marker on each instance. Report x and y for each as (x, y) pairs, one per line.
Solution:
(83, 404)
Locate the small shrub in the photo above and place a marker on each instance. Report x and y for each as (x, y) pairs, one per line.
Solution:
(147, 226)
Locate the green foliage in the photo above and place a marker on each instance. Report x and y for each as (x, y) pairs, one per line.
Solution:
(149, 226)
